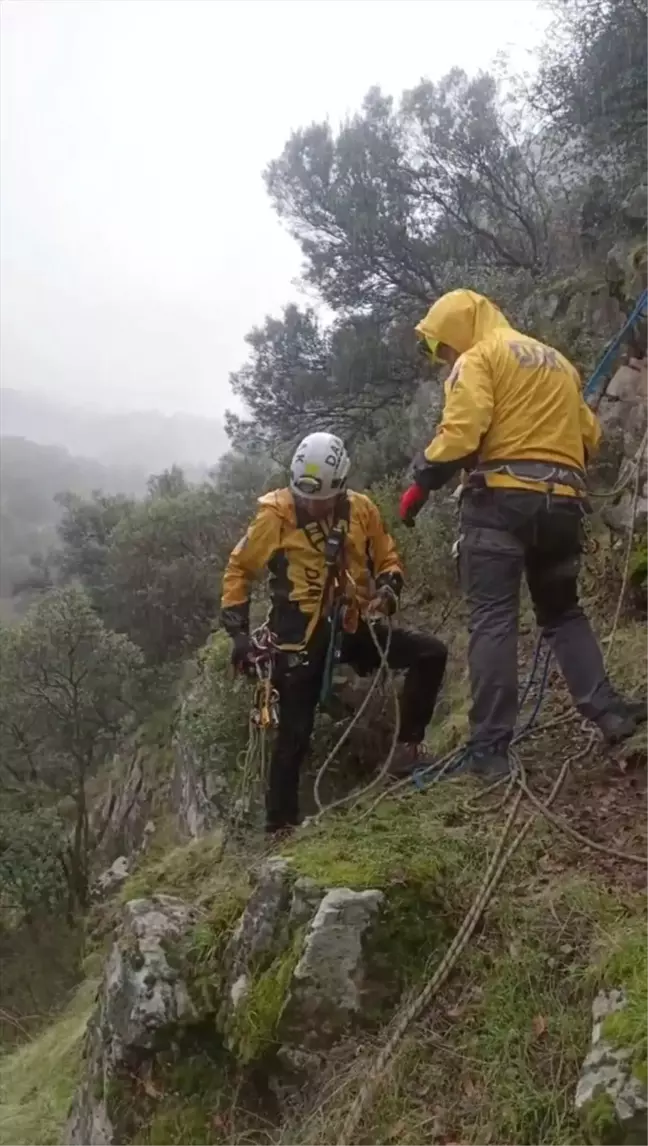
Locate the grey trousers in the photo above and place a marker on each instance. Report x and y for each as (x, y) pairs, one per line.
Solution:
(505, 534)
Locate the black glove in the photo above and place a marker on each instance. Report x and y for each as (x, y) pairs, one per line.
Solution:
(241, 652)
(384, 604)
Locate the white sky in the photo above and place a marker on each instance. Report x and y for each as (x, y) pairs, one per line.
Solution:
(137, 242)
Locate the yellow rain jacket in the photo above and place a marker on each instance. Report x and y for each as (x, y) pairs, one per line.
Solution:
(291, 547)
(508, 398)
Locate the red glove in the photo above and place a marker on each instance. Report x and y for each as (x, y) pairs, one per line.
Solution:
(411, 502)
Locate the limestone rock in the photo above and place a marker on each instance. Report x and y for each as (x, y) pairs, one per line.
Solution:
(610, 1099)
(199, 791)
(305, 900)
(141, 995)
(196, 813)
(258, 930)
(624, 416)
(112, 878)
(120, 821)
(296, 974)
(635, 206)
(326, 990)
(593, 309)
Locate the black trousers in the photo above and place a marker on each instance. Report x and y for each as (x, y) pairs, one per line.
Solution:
(507, 534)
(422, 657)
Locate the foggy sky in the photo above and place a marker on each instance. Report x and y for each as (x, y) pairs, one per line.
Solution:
(137, 242)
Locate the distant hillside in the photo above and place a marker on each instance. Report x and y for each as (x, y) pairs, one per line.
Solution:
(30, 476)
(147, 439)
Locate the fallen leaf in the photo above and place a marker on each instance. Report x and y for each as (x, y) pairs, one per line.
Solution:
(539, 1024)
(150, 1089)
(455, 1012)
(470, 1090)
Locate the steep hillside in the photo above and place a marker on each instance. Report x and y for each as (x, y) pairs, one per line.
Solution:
(437, 961)
(31, 475)
(252, 1006)
(147, 439)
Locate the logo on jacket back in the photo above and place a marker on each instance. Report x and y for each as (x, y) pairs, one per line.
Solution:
(535, 355)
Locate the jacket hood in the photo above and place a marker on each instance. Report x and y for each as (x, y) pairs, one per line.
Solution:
(462, 318)
(281, 501)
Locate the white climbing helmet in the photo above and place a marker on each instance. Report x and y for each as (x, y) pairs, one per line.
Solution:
(320, 467)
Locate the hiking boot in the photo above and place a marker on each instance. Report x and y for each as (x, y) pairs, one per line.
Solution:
(620, 723)
(638, 709)
(408, 758)
(487, 763)
(279, 833)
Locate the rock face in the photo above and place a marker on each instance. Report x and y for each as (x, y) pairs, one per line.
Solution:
(304, 947)
(120, 822)
(141, 995)
(196, 812)
(292, 979)
(112, 878)
(635, 207)
(610, 1099)
(623, 415)
(204, 765)
(326, 990)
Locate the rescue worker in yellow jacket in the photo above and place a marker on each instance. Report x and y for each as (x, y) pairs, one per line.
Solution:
(317, 539)
(515, 419)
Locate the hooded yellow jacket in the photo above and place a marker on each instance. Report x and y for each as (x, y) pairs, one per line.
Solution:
(507, 398)
(291, 547)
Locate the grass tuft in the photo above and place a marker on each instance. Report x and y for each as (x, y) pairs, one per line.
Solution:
(37, 1081)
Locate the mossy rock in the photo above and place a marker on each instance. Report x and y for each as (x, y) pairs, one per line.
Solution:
(626, 1028)
(253, 1028)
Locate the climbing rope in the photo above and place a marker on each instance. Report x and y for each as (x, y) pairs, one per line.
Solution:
(382, 670)
(499, 861)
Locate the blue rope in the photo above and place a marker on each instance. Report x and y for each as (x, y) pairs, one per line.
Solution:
(531, 676)
(423, 777)
(540, 697)
(605, 362)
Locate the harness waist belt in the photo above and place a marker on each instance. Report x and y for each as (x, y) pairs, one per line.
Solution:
(550, 473)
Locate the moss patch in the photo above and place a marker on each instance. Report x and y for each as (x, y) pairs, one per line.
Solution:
(198, 872)
(255, 1021)
(600, 1120)
(626, 968)
(201, 953)
(425, 839)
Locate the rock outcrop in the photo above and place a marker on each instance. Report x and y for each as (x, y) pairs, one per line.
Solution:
(112, 878)
(327, 989)
(204, 771)
(635, 208)
(141, 996)
(610, 1096)
(119, 823)
(623, 413)
(293, 978)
